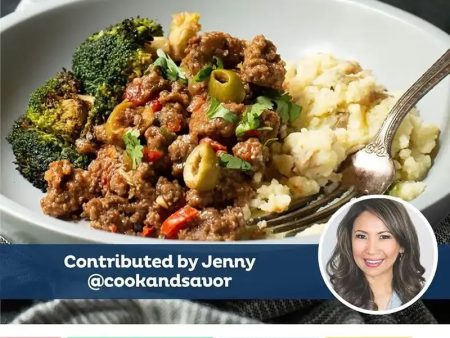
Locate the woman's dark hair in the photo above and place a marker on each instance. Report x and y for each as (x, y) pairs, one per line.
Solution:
(346, 277)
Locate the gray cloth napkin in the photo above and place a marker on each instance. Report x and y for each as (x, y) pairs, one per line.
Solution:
(187, 312)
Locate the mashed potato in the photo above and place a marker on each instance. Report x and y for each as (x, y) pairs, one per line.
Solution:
(342, 109)
(273, 197)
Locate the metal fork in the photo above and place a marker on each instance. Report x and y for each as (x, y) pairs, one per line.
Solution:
(368, 171)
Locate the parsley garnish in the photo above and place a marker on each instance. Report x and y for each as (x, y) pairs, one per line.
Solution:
(169, 68)
(232, 162)
(206, 71)
(216, 109)
(250, 121)
(287, 110)
(203, 73)
(133, 147)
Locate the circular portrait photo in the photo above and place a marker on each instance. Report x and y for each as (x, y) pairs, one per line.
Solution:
(378, 254)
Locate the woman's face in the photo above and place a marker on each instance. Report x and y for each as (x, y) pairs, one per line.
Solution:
(374, 247)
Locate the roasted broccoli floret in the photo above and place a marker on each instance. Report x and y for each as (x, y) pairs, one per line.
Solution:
(106, 61)
(35, 150)
(56, 106)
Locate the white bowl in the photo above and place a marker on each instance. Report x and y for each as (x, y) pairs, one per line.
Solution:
(397, 46)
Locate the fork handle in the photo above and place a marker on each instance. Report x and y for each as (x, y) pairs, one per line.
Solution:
(382, 141)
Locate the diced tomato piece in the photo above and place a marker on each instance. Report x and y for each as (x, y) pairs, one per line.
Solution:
(214, 144)
(155, 105)
(152, 155)
(147, 231)
(178, 220)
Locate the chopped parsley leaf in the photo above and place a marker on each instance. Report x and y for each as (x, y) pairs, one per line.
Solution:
(216, 109)
(133, 147)
(169, 68)
(203, 73)
(287, 110)
(206, 70)
(250, 121)
(232, 162)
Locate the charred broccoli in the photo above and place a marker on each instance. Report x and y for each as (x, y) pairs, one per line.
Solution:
(57, 112)
(106, 61)
(57, 108)
(35, 150)
(54, 118)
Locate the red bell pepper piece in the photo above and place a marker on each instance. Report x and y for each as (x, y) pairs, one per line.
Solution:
(214, 144)
(147, 231)
(155, 105)
(152, 155)
(178, 220)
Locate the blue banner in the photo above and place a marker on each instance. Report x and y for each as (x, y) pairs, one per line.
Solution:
(222, 271)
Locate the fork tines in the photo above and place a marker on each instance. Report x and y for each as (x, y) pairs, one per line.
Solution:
(302, 215)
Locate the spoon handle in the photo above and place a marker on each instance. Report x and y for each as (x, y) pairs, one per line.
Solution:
(382, 141)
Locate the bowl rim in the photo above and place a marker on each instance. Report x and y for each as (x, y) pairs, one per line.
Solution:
(382, 8)
(21, 213)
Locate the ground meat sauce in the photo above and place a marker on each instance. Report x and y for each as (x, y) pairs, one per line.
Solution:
(172, 120)
(215, 225)
(252, 151)
(262, 65)
(172, 117)
(142, 89)
(68, 189)
(179, 150)
(201, 50)
(170, 194)
(235, 189)
(200, 125)
(177, 94)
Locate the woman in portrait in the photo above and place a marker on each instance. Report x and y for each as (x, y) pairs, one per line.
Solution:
(376, 262)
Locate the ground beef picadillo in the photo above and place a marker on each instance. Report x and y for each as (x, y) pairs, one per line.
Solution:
(142, 200)
(236, 189)
(172, 117)
(68, 190)
(116, 214)
(262, 65)
(215, 225)
(200, 125)
(170, 194)
(252, 151)
(179, 150)
(177, 94)
(202, 48)
(141, 89)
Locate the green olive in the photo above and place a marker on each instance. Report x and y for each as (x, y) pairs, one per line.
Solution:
(226, 86)
(114, 126)
(201, 170)
(148, 116)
